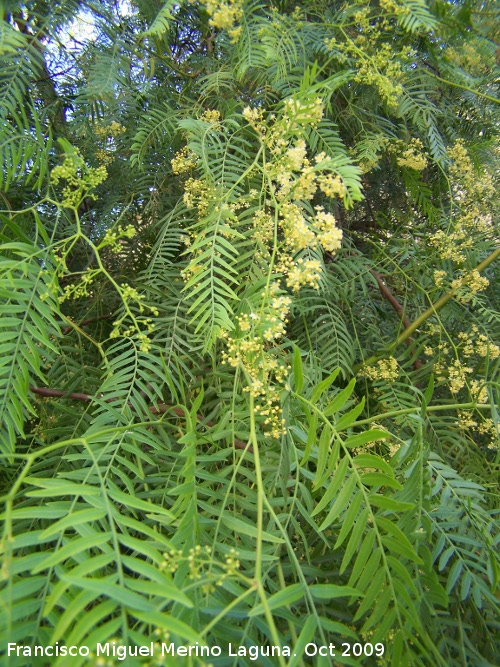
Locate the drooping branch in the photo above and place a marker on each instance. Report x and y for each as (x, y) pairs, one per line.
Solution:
(159, 409)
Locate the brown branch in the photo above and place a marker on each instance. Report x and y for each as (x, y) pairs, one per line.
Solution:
(210, 42)
(55, 393)
(389, 296)
(155, 410)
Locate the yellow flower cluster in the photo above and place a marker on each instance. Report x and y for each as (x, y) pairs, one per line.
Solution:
(474, 221)
(113, 130)
(80, 179)
(263, 227)
(296, 155)
(440, 348)
(247, 347)
(211, 116)
(478, 391)
(452, 244)
(288, 232)
(393, 7)
(104, 156)
(80, 289)
(305, 186)
(304, 272)
(485, 427)
(184, 160)
(107, 135)
(489, 428)
(469, 284)
(473, 192)
(113, 237)
(300, 230)
(471, 60)
(332, 186)
(384, 369)
(469, 185)
(383, 72)
(330, 236)
(439, 277)
(470, 347)
(144, 341)
(252, 116)
(225, 16)
(457, 375)
(133, 331)
(198, 194)
(269, 328)
(465, 421)
(476, 343)
(290, 156)
(370, 52)
(298, 234)
(412, 156)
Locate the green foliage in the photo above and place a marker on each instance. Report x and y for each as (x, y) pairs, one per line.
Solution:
(28, 326)
(249, 327)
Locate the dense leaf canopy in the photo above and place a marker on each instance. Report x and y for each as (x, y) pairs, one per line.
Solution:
(249, 333)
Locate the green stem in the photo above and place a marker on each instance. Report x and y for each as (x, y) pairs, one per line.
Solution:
(470, 90)
(260, 493)
(291, 626)
(260, 521)
(270, 622)
(223, 613)
(429, 408)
